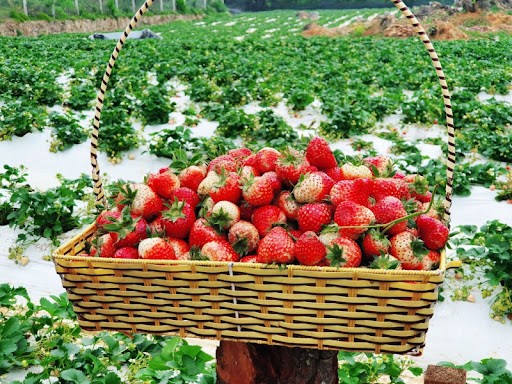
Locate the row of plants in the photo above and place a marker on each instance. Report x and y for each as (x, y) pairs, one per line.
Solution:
(42, 341)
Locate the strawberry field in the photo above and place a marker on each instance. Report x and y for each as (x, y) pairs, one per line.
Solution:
(236, 117)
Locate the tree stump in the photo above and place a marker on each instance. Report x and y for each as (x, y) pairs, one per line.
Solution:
(249, 363)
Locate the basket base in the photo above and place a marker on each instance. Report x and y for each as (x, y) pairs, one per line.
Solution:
(251, 363)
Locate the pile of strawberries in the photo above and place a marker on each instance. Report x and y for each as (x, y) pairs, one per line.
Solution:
(277, 207)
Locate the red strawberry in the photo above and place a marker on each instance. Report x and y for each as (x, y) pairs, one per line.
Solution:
(180, 247)
(156, 248)
(141, 199)
(320, 154)
(374, 243)
(244, 237)
(219, 250)
(432, 231)
(223, 162)
(418, 188)
(223, 215)
(274, 180)
(309, 250)
(128, 230)
(240, 154)
(388, 209)
(266, 159)
(381, 166)
(350, 214)
(313, 187)
(408, 249)
(291, 166)
(257, 191)
(344, 252)
(313, 216)
(248, 171)
(227, 188)
(163, 183)
(276, 247)
(178, 219)
(201, 233)
(329, 233)
(192, 176)
(108, 216)
(357, 190)
(246, 210)
(188, 195)
(334, 173)
(431, 261)
(249, 259)
(103, 246)
(127, 253)
(350, 171)
(264, 218)
(390, 187)
(288, 205)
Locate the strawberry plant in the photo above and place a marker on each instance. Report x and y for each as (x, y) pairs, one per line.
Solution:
(155, 106)
(81, 96)
(19, 117)
(66, 131)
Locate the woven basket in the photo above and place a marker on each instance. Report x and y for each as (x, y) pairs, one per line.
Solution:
(354, 309)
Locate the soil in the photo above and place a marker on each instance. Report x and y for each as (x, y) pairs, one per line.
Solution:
(42, 27)
(440, 24)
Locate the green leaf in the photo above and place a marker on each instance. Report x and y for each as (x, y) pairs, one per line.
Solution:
(75, 376)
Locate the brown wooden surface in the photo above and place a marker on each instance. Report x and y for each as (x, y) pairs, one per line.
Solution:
(248, 363)
(436, 374)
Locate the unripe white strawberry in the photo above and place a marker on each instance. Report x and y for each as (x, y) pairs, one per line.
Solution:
(209, 181)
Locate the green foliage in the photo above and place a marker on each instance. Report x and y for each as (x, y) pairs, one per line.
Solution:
(66, 131)
(155, 106)
(492, 371)
(19, 117)
(81, 96)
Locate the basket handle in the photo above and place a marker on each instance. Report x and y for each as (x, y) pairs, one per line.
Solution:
(450, 164)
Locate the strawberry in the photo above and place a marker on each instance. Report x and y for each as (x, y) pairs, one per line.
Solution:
(264, 218)
(383, 187)
(350, 171)
(408, 249)
(388, 209)
(247, 171)
(320, 154)
(291, 166)
(227, 188)
(313, 216)
(240, 154)
(180, 247)
(432, 231)
(211, 179)
(357, 190)
(276, 247)
(103, 246)
(128, 230)
(312, 187)
(246, 210)
(219, 250)
(249, 259)
(350, 214)
(435, 211)
(374, 243)
(188, 195)
(274, 180)
(266, 159)
(108, 216)
(223, 162)
(192, 176)
(178, 219)
(329, 233)
(163, 183)
(385, 261)
(223, 215)
(343, 252)
(288, 205)
(257, 191)
(141, 199)
(431, 261)
(201, 233)
(334, 173)
(418, 188)
(156, 248)
(309, 250)
(380, 166)
(206, 207)
(126, 253)
(244, 237)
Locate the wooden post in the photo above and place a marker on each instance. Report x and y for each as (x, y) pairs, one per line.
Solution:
(25, 7)
(77, 8)
(248, 363)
